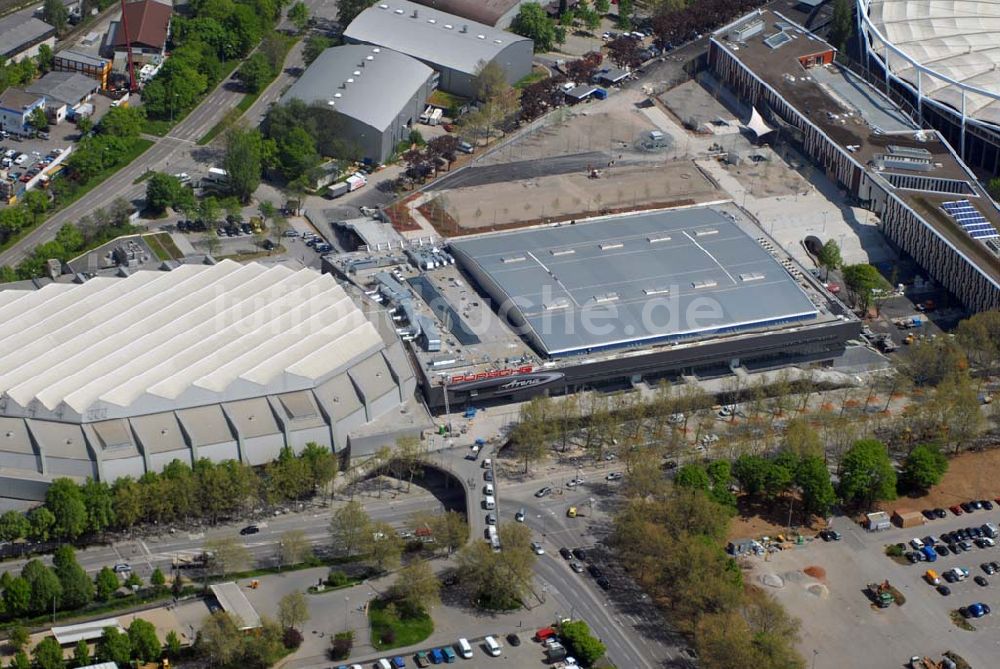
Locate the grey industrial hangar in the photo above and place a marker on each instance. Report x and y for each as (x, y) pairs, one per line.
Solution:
(632, 281)
(119, 376)
(455, 47)
(377, 94)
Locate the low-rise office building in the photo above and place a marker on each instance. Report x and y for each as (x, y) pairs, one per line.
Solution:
(376, 94)
(16, 106)
(457, 48)
(94, 67)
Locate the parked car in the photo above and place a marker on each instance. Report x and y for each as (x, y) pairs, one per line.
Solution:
(614, 476)
(604, 583)
(829, 535)
(977, 610)
(580, 554)
(566, 553)
(988, 568)
(542, 492)
(595, 571)
(981, 581)
(519, 516)
(576, 566)
(957, 510)
(249, 529)
(537, 548)
(122, 567)
(574, 482)
(986, 504)
(944, 590)
(967, 507)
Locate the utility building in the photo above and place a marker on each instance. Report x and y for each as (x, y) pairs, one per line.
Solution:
(455, 47)
(376, 94)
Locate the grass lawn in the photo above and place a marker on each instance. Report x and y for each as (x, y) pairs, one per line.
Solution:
(163, 246)
(388, 632)
(537, 74)
(445, 100)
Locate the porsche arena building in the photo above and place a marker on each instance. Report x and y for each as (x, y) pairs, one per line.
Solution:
(116, 376)
(938, 59)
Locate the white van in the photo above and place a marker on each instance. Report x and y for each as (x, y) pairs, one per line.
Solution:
(492, 646)
(464, 649)
(489, 503)
(384, 664)
(487, 463)
(488, 489)
(990, 530)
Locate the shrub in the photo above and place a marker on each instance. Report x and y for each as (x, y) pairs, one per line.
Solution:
(341, 645)
(894, 550)
(291, 638)
(337, 578)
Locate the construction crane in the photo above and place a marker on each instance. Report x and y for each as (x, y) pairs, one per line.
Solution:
(128, 50)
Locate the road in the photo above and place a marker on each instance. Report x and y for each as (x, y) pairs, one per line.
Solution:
(172, 153)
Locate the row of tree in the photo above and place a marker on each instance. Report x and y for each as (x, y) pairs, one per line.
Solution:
(208, 491)
(671, 543)
(137, 644)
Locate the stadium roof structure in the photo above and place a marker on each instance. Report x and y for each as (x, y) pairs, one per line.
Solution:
(157, 340)
(483, 11)
(633, 280)
(950, 45)
(370, 84)
(430, 35)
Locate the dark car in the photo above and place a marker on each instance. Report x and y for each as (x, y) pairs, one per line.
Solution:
(829, 535)
(986, 504)
(488, 475)
(912, 557)
(250, 529)
(976, 504)
(967, 507)
(928, 514)
(944, 590)
(941, 550)
(566, 553)
(949, 576)
(579, 554)
(981, 581)
(988, 568)
(940, 513)
(604, 583)
(975, 532)
(595, 571)
(957, 510)
(513, 639)
(977, 610)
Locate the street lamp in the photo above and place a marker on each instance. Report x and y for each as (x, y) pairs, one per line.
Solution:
(347, 601)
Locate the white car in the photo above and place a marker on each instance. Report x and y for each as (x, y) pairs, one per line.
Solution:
(574, 482)
(537, 548)
(916, 543)
(519, 516)
(614, 476)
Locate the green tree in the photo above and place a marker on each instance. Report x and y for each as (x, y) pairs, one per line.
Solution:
(128, 501)
(54, 13)
(48, 654)
(350, 529)
(534, 23)
(17, 597)
(14, 525)
(20, 660)
(142, 638)
(161, 191)
(242, 162)
(535, 428)
(38, 120)
(602, 6)
(65, 500)
(293, 610)
(294, 547)
(81, 653)
(864, 284)
(42, 521)
(255, 73)
(173, 644)
(813, 477)
(867, 474)
(321, 463)
(123, 122)
(624, 18)
(829, 257)
(46, 591)
(298, 14)
(77, 588)
(114, 646)
(219, 641)
(842, 24)
(157, 579)
(584, 646)
(228, 555)
(692, 476)
(46, 58)
(417, 587)
(347, 10)
(99, 502)
(499, 580)
(315, 45)
(18, 638)
(106, 584)
(924, 467)
(385, 546)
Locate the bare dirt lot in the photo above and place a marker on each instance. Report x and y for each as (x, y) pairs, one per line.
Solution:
(970, 476)
(564, 196)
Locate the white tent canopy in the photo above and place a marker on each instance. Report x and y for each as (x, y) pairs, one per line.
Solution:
(757, 125)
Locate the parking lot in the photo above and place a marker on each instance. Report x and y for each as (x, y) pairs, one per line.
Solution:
(840, 623)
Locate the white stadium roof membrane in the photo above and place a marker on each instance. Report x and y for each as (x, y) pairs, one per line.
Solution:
(196, 335)
(955, 39)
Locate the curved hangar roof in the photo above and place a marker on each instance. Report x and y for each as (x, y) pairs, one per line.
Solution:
(955, 38)
(157, 341)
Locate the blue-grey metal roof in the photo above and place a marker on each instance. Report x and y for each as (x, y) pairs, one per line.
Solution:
(433, 36)
(66, 87)
(632, 280)
(370, 84)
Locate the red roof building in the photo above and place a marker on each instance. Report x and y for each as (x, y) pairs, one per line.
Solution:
(148, 24)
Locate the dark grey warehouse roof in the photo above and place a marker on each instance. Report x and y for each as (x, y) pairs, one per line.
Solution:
(371, 84)
(633, 280)
(19, 31)
(428, 34)
(66, 87)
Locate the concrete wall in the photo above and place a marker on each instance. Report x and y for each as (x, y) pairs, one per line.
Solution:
(263, 449)
(227, 450)
(298, 438)
(157, 461)
(119, 467)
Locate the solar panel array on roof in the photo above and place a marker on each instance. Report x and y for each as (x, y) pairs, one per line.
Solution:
(967, 216)
(778, 39)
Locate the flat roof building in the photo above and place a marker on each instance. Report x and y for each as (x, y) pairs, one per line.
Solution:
(455, 47)
(94, 67)
(68, 88)
(235, 603)
(930, 204)
(632, 281)
(377, 94)
(21, 34)
(118, 376)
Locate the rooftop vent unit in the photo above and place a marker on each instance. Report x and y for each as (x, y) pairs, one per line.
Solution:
(400, 12)
(649, 292)
(605, 298)
(383, 6)
(751, 276)
(610, 246)
(509, 260)
(706, 283)
(706, 233)
(556, 305)
(658, 239)
(376, 50)
(465, 28)
(432, 21)
(481, 36)
(414, 13)
(562, 252)
(448, 26)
